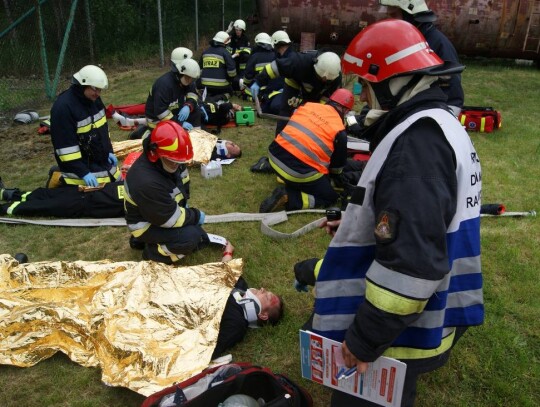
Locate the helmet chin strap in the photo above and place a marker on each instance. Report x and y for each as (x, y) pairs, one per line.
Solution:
(166, 167)
(384, 95)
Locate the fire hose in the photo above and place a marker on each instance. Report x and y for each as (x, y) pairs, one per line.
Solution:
(267, 115)
(267, 220)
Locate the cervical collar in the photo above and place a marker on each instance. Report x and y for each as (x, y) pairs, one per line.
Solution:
(221, 147)
(250, 305)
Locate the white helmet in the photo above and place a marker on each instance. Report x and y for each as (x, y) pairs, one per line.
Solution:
(91, 75)
(179, 54)
(328, 65)
(410, 6)
(189, 67)
(263, 38)
(280, 36)
(222, 37)
(239, 25)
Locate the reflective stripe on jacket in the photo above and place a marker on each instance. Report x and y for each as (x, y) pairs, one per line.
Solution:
(217, 68)
(309, 135)
(80, 137)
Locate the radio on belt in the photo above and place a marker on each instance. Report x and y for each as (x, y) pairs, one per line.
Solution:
(333, 214)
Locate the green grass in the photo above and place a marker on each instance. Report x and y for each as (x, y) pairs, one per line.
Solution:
(496, 364)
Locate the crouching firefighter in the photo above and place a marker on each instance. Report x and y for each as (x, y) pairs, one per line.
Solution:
(156, 197)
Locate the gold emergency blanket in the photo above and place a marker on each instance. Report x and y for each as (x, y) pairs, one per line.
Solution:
(145, 324)
(203, 144)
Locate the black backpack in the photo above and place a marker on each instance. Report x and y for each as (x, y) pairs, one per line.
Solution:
(216, 384)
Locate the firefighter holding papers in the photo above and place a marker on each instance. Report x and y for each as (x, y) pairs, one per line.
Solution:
(402, 276)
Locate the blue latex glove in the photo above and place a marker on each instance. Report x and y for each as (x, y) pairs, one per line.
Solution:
(205, 115)
(187, 125)
(90, 180)
(201, 218)
(112, 159)
(183, 113)
(300, 287)
(255, 88)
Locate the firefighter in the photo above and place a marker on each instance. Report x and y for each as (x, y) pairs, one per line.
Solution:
(80, 134)
(156, 197)
(308, 153)
(417, 13)
(402, 276)
(240, 49)
(174, 95)
(282, 44)
(218, 67)
(262, 55)
(309, 77)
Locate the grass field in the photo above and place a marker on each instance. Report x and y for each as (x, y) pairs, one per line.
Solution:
(496, 364)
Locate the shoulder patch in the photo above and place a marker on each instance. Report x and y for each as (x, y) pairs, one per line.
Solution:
(386, 226)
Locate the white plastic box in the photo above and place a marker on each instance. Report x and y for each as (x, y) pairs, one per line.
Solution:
(211, 170)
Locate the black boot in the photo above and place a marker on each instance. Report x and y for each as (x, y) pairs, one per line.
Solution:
(150, 252)
(135, 243)
(9, 194)
(263, 165)
(276, 201)
(21, 258)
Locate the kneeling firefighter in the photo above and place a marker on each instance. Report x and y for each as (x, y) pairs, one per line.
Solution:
(156, 197)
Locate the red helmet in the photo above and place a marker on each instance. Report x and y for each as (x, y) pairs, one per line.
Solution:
(343, 97)
(391, 48)
(171, 141)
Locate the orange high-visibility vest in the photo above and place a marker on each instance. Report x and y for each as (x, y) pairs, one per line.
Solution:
(309, 135)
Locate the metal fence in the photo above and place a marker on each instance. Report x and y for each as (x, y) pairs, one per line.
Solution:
(43, 42)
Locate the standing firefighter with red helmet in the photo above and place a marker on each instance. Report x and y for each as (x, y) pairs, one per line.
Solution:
(308, 153)
(156, 197)
(402, 276)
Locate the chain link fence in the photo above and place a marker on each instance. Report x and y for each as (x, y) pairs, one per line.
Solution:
(43, 42)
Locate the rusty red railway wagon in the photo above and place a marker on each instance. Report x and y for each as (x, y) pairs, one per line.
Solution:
(486, 28)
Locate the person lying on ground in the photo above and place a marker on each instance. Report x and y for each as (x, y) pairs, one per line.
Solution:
(246, 308)
(70, 201)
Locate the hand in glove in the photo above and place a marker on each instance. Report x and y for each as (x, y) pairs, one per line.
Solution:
(337, 181)
(230, 27)
(204, 114)
(201, 218)
(90, 180)
(187, 125)
(304, 273)
(183, 114)
(254, 90)
(112, 159)
(294, 101)
(300, 287)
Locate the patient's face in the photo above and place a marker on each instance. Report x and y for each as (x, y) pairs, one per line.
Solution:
(268, 299)
(233, 149)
